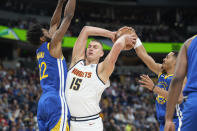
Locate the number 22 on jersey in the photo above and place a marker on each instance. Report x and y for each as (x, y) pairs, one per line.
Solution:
(42, 68)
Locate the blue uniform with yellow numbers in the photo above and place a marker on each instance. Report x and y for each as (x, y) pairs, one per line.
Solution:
(53, 113)
(164, 83)
(190, 91)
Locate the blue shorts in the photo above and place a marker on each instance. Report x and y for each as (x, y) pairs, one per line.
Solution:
(176, 122)
(189, 121)
(49, 113)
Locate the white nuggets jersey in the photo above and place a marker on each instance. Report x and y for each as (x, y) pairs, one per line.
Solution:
(84, 89)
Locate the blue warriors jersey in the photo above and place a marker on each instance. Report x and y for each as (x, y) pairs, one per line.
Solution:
(191, 85)
(52, 107)
(163, 83)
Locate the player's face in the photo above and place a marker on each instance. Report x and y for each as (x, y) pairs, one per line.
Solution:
(94, 51)
(47, 36)
(169, 61)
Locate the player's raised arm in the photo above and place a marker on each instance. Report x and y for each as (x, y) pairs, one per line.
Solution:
(147, 59)
(80, 45)
(177, 81)
(55, 20)
(55, 46)
(106, 68)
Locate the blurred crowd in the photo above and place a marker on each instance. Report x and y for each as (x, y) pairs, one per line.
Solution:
(19, 94)
(125, 106)
(128, 107)
(151, 24)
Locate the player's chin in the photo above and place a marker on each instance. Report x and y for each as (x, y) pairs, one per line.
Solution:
(90, 57)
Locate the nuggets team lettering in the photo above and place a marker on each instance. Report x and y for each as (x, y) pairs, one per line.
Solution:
(81, 73)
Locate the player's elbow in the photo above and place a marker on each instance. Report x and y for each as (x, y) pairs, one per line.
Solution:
(86, 29)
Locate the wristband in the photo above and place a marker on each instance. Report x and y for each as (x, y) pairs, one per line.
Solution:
(138, 43)
(153, 88)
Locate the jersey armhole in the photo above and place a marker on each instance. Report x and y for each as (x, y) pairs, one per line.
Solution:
(47, 49)
(106, 84)
(75, 64)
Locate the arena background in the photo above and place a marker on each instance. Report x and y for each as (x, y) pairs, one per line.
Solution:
(162, 25)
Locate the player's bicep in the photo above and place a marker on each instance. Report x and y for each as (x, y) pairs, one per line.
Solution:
(79, 47)
(181, 64)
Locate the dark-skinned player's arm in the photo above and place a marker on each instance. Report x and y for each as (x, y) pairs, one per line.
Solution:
(148, 60)
(55, 20)
(81, 43)
(55, 44)
(176, 84)
(106, 67)
(146, 82)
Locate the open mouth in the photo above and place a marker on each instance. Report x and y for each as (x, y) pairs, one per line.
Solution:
(90, 53)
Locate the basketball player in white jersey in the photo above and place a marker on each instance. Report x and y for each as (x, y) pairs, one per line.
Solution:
(87, 78)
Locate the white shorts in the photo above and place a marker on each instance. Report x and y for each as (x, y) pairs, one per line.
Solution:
(91, 125)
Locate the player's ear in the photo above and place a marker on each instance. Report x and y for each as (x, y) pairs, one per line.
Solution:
(102, 54)
(42, 39)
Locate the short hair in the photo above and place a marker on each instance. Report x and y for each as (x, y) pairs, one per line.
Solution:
(97, 41)
(175, 53)
(34, 33)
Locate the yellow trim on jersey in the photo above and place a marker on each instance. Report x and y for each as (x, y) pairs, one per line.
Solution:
(159, 74)
(48, 46)
(168, 76)
(62, 57)
(57, 126)
(67, 126)
(194, 37)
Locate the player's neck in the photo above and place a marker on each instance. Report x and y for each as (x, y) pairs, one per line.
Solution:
(170, 71)
(91, 62)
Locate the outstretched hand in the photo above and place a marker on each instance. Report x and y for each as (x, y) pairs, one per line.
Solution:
(146, 82)
(125, 30)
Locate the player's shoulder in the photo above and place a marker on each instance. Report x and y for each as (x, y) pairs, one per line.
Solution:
(79, 62)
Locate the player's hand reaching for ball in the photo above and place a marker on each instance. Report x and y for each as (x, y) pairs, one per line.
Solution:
(127, 31)
(130, 41)
(127, 41)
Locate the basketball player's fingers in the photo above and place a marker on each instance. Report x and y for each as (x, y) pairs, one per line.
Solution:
(145, 86)
(144, 77)
(147, 77)
(142, 86)
(143, 82)
(123, 28)
(148, 83)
